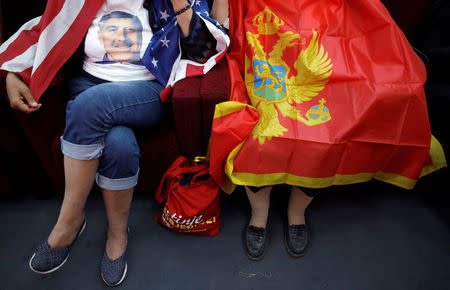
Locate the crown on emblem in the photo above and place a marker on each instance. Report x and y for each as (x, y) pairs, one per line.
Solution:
(267, 22)
(318, 114)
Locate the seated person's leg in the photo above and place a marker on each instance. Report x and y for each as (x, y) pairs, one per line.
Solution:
(298, 202)
(96, 110)
(90, 116)
(297, 234)
(117, 177)
(255, 232)
(119, 164)
(259, 198)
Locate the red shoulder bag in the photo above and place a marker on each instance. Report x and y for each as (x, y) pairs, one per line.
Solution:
(192, 199)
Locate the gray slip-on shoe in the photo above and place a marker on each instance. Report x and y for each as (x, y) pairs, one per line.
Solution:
(46, 260)
(114, 271)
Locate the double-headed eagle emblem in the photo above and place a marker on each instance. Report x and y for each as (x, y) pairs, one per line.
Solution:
(269, 87)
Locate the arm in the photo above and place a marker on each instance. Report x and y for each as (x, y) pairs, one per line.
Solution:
(19, 94)
(17, 68)
(219, 11)
(197, 43)
(184, 19)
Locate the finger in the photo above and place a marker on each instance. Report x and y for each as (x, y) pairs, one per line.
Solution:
(34, 109)
(26, 93)
(37, 108)
(21, 106)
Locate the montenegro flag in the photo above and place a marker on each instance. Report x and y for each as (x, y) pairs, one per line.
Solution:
(323, 93)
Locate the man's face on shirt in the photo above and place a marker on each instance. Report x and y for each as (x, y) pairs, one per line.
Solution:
(121, 39)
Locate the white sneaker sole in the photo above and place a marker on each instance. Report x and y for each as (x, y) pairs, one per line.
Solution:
(121, 279)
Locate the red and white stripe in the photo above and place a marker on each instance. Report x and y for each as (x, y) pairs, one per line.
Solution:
(41, 46)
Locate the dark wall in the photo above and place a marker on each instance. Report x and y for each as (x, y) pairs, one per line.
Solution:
(409, 14)
(21, 12)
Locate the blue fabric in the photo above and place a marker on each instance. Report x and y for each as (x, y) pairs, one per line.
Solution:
(164, 47)
(100, 118)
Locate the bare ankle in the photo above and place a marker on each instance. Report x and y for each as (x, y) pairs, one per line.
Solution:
(258, 221)
(64, 232)
(297, 219)
(116, 245)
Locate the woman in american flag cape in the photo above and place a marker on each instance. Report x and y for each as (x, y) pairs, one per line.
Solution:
(134, 52)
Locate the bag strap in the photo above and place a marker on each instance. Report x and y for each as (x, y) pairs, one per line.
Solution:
(161, 192)
(188, 169)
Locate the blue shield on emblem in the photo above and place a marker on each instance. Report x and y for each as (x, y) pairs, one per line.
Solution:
(269, 80)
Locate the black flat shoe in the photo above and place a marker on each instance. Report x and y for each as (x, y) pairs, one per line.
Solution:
(255, 242)
(296, 239)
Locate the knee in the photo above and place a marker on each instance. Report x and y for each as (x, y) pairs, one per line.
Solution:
(86, 108)
(120, 144)
(119, 165)
(87, 120)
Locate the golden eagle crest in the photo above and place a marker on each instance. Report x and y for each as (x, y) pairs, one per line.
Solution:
(269, 86)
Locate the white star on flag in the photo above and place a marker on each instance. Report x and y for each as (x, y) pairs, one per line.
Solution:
(155, 62)
(165, 41)
(198, 2)
(164, 15)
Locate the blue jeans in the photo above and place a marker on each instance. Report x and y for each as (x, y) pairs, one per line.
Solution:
(100, 118)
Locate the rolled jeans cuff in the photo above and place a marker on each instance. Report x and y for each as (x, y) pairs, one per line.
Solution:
(117, 183)
(81, 152)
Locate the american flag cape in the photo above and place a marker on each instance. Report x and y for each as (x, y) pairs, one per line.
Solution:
(42, 45)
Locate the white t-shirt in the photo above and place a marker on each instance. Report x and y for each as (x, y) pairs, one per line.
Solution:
(117, 40)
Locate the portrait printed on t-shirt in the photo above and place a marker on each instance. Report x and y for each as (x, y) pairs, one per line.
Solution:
(121, 35)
